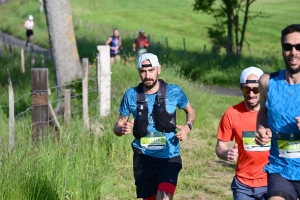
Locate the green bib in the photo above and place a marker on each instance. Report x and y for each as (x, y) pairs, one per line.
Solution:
(154, 141)
(249, 145)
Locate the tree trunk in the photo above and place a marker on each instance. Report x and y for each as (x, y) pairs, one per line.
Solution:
(248, 3)
(236, 30)
(229, 26)
(62, 40)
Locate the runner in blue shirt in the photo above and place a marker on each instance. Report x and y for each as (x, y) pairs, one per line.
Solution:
(156, 146)
(278, 120)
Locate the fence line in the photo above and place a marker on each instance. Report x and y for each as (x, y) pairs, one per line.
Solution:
(41, 108)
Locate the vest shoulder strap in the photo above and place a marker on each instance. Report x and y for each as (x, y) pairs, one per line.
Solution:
(274, 74)
(162, 90)
(140, 93)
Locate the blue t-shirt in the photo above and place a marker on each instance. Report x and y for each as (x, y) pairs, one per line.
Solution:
(283, 106)
(175, 97)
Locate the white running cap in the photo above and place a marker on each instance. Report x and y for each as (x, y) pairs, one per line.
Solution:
(30, 17)
(250, 70)
(148, 56)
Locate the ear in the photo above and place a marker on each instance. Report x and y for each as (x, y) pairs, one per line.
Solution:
(159, 69)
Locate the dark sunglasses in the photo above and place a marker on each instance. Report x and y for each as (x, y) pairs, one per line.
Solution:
(289, 47)
(247, 90)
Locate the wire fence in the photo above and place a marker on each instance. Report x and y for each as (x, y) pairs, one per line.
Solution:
(85, 98)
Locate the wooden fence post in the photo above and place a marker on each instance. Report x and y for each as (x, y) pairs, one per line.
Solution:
(85, 73)
(32, 57)
(22, 61)
(204, 49)
(39, 101)
(42, 61)
(184, 45)
(67, 106)
(167, 43)
(11, 113)
(10, 53)
(104, 79)
(1, 43)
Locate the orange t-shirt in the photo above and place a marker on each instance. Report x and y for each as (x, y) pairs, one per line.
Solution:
(250, 164)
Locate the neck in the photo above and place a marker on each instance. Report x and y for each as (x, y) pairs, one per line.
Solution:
(152, 90)
(292, 78)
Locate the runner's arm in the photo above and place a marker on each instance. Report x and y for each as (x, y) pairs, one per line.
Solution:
(263, 134)
(121, 127)
(25, 24)
(109, 41)
(224, 153)
(190, 114)
(190, 118)
(133, 46)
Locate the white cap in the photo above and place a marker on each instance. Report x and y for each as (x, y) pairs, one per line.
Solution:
(148, 56)
(250, 70)
(30, 17)
(141, 30)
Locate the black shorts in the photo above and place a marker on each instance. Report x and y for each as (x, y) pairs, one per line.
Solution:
(114, 55)
(29, 33)
(149, 172)
(279, 186)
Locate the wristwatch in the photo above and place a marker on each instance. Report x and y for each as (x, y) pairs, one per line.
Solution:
(190, 126)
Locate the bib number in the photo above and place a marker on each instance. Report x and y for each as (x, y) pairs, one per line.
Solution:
(153, 141)
(249, 145)
(288, 145)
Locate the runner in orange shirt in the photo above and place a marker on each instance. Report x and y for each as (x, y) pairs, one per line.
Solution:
(239, 123)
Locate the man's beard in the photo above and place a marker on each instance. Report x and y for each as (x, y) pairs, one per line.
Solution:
(289, 68)
(149, 86)
(249, 105)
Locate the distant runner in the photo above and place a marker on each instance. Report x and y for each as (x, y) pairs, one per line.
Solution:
(115, 44)
(239, 123)
(29, 25)
(141, 43)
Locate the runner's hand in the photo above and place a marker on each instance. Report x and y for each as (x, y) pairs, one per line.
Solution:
(232, 153)
(126, 128)
(263, 136)
(182, 134)
(298, 122)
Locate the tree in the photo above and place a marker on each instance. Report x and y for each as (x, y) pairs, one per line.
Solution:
(62, 40)
(227, 31)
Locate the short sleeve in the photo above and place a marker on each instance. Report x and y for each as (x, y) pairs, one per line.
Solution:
(124, 108)
(182, 99)
(225, 132)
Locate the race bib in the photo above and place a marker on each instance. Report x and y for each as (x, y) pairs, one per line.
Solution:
(249, 145)
(288, 145)
(154, 141)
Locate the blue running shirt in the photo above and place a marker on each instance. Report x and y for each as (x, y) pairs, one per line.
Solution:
(283, 104)
(175, 97)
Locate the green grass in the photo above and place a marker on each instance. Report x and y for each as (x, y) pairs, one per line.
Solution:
(97, 164)
(173, 19)
(85, 166)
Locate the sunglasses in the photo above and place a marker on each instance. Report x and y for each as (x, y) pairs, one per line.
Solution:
(289, 47)
(247, 90)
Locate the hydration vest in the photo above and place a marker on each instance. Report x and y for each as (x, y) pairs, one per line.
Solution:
(163, 121)
(142, 42)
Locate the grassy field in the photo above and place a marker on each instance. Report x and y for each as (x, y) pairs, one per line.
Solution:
(175, 20)
(85, 166)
